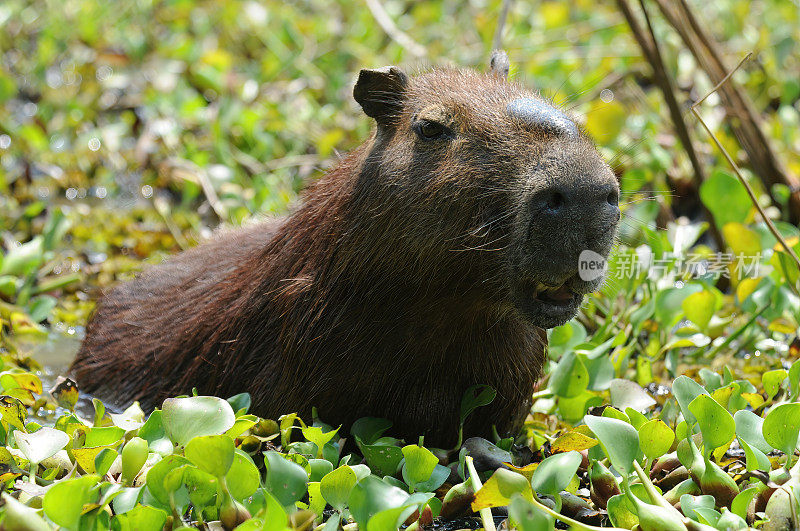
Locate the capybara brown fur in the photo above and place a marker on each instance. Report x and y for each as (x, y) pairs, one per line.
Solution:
(432, 258)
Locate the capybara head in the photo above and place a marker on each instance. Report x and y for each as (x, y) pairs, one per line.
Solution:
(493, 179)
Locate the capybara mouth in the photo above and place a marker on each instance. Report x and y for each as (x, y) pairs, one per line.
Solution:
(548, 306)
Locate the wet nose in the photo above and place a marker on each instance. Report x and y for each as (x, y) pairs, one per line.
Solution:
(558, 204)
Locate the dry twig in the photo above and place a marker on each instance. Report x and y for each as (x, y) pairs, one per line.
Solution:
(190, 171)
(747, 123)
(497, 42)
(649, 45)
(390, 28)
(778, 236)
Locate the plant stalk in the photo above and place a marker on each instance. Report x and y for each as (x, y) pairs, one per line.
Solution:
(486, 514)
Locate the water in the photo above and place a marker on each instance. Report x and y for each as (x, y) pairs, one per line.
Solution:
(55, 354)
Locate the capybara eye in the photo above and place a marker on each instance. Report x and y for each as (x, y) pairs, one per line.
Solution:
(429, 130)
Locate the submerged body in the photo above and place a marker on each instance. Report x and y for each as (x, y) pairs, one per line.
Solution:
(429, 260)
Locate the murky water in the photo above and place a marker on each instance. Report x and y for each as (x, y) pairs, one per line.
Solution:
(54, 354)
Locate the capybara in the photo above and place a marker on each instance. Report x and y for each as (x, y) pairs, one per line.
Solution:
(430, 259)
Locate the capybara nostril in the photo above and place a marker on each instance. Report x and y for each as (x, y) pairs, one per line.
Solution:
(549, 203)
(556, 201)
(611, 205)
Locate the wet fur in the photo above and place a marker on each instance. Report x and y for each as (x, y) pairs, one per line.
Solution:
(385, 293)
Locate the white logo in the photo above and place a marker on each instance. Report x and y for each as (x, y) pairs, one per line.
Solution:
(591, 265)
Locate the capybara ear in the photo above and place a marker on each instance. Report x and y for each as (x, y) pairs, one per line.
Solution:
(499, 64)
(381, 92)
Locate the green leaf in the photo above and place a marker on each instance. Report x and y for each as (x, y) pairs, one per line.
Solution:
(743, 241)
(335, 487)
(628, 394)
(755, 458)
(63, 502)
(669, 303)
(14, 412)
(20, 261)
(690, 505)
(794, 379)
(716, 424)
(781, 427)
(500, 488)
(573, 409)
(749, 427)
(186, 418)
(622, 512)
(317, 468)
(725, 197)
(619, 440)
(742, 501)
(369, 429)
(20, 517)
(157, 475)
(134, 456)
(285, 480)
(712, 380)
(563, 338)
(104, 436)
(730, 520)
(316, 502)
(382, 459)
(271, 517)
(525, 516)
(127, 499)
(636, 418)
(605, 121)
(570, 377)
(699, 308)
(475, 397)
(391, 518)
(685, 390)
(25, 380)
(438, 477)
(657, 517)
(130, 419)
(39, 308)
(555, 473)
(211, 453)
(643, 312)
(104, 460)
(319, 437)
(243, 477)
(241, 425)
(371, 496)
(140, 517)
(9, 284)
(201, 486)
(41, 444)
(240, 402)
(154, 433)
(419, 464)
(601, 372)
(771, 380)
(655, 438)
